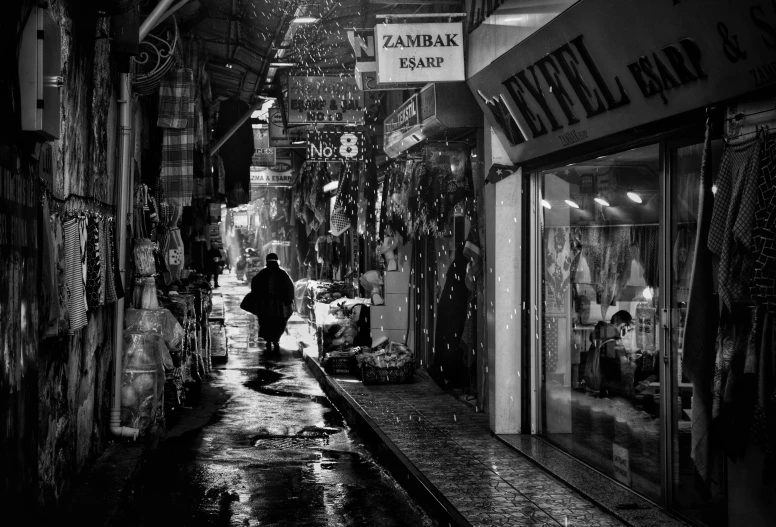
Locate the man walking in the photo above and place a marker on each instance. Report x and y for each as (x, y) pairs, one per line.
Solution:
(274, 291)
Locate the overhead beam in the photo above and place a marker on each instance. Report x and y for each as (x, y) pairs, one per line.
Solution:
(236, 126)
(150, 22)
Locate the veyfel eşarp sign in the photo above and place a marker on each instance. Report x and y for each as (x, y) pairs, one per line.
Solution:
(413, 53)
(569, 83)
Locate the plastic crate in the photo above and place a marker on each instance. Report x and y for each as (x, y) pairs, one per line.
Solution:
(400, 375)
(334, 365)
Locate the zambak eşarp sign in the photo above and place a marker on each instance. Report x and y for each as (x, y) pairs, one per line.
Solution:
(329, 100)
(568, 84)
(412, 53)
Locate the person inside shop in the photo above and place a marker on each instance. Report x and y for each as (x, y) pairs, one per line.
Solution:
(608, 365)
(275, 296)
(389, 247)
(214, 263)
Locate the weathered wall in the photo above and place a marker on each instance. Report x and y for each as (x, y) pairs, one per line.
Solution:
(18, 284)
(75, 382)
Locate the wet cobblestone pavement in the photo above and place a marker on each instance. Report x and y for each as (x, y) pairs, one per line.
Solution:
(488, 482)
(274, 453)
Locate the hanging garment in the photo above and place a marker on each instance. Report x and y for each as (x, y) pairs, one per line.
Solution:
(175, 100)
(111, 260)
(93, 264)
(763, 371)
(237, 152)
(732, 219)
(117, 288)
(104, 261)
(646, 239)
(178, 164)
(76, 296)
(702, 315)
(764, 234)
(450, 323)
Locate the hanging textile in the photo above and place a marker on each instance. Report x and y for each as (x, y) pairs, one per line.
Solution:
(764, 235)
(76, 295)
(732, 219)
(175, 100)
(93, 263)
(176, 117)
(237, 152)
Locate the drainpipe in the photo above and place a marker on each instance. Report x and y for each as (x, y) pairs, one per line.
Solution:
(236, 126)
(121, 219)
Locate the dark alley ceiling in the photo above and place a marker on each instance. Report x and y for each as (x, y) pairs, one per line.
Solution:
(245, 37)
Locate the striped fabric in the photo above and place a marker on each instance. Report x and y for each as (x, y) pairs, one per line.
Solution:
(76, 298)
(93, 263)
(110, 259)
(105, 262)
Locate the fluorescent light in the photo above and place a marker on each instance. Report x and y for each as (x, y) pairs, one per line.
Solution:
(601, 201)
(546, 204)
(332, 185)
(281, 64)
(571, 203)
(298, 142)
(633, 196)
(305, 20)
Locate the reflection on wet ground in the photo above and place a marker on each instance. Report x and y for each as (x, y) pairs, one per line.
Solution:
(275, 453)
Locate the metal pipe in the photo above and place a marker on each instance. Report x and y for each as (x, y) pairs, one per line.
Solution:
(166, 15)
(223, 139)
(121, 219)
(150, 22)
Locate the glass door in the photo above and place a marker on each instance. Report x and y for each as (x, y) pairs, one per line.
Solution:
(697, 482)
(599, 267)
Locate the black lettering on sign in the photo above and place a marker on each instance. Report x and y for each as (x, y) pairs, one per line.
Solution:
(768, 30)
(763, 75)
(654, 77)
(569, 64)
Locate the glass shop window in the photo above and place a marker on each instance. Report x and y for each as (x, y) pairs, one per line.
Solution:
(599, 260)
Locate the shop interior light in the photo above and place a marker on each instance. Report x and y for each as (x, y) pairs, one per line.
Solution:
(546, 204)
(305, 20)
(571, 203)
(634, 196)
(601, 201)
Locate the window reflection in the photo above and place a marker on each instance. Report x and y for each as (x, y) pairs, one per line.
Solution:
(600, 243)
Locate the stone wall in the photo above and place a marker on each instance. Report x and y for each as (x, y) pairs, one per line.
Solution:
(54, 393)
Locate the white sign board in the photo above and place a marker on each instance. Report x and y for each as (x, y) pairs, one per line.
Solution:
(412, 53)
(279, 175)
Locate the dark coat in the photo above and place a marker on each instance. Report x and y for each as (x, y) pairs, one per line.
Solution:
(274, 289)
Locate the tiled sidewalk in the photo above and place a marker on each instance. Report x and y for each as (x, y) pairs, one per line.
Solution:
(488, 482)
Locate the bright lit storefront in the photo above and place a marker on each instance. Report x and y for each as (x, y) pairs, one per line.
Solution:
(638, 194)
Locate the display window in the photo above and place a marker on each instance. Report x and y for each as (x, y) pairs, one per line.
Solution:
(600, 231)
(654, 341)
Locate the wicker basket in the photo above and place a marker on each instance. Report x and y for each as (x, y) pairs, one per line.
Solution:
(400, 375)
(334, 365)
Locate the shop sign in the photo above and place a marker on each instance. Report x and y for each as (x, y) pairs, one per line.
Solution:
(479, 10)
(363, 43)
(413, 53)
(331, 100)
(335, 146)
(402, 122)
(565, 86)
(263, 157)
(279, 175)
(427, 100)
(279, 135)
(240, 219)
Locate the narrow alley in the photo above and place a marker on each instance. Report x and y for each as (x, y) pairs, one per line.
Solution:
(271, 450)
